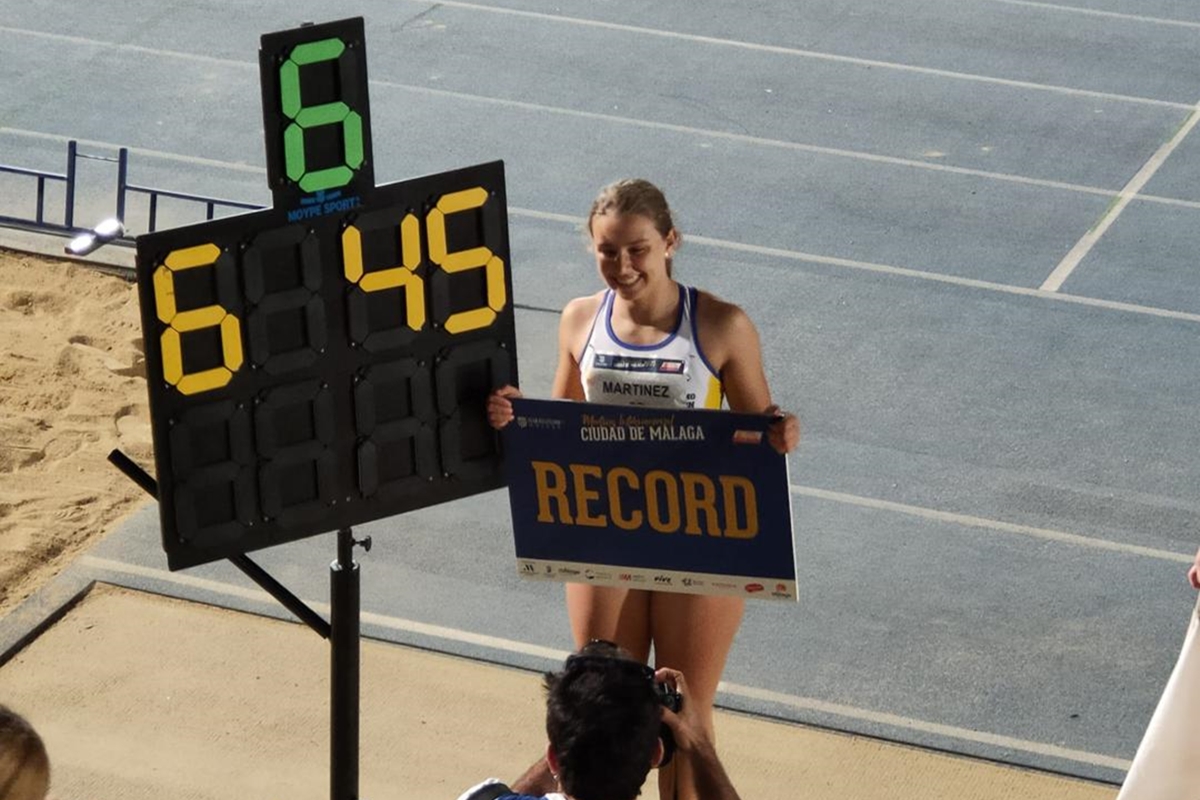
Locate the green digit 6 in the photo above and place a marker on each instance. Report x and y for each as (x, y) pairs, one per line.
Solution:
(305, 118)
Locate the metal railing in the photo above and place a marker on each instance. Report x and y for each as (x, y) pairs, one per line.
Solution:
(124, 188)
(41, 221)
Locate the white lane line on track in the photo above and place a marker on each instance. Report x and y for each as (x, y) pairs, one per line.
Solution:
(773, 252)
(949, 731)
(1085, 244)
(707, 133)
(104, 565)
(130, 48)
(812, 54)
(1182, 23)
(886, 269)
(782, 144)
(966, 520)
(1121, 98)
(857, 155)
(954, 280)
(142, 151)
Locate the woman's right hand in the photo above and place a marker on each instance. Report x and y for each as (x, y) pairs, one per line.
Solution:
(499, 406)
(1194, 572)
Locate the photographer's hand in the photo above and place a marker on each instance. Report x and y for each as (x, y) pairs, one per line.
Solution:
(712, 782)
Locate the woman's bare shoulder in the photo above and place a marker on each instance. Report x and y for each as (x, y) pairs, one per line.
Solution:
(582, 310)
(720, 317)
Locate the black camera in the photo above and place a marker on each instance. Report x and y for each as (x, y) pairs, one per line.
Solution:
(668, 697)
(673, 700)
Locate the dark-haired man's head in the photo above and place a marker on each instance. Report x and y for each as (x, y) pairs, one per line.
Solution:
(603, 720)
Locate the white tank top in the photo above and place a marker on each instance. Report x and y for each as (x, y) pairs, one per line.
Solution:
(670, 374)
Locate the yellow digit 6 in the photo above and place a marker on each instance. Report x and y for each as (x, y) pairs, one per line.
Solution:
(403, 277)
(179, 322)
(463, 260)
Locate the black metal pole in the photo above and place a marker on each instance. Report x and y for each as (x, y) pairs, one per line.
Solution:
(134, 472)
(242, 561)
(69, 200)
(344, 671)
(123, 181)
(280, 592)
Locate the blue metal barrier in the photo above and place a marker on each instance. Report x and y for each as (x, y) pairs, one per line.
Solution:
(40, 221)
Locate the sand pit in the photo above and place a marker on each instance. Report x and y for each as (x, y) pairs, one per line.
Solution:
(72, 387)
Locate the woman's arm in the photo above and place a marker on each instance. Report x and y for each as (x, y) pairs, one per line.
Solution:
(573, 327)
(730, 341)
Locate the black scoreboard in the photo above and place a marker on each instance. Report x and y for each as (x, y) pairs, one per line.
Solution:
(325, 362)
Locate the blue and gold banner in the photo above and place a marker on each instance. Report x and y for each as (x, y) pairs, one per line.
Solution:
(676, 500)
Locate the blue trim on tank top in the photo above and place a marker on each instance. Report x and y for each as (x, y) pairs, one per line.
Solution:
(694, 297)
(644, 347)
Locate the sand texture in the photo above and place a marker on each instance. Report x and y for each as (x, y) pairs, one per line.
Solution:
(72, 388)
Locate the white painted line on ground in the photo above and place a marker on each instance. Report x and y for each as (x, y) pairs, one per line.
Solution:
(141, 151)
(781, 144)
(1165, 201)
(790, 51)
(178, 578)
(707, 133)
(549, 216)
(103, 565)
(130, 48)
(1089, 239)
(969, 521)
(857, 155)
(887, 269)
(812, 54)
(921, 726)
(759, 250)
(1098, 13)
(938, 277)
(773, 252)
(259, 596)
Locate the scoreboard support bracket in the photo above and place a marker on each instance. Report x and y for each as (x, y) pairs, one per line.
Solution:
(343, 632)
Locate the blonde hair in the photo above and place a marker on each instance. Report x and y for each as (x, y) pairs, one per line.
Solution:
(636, 196)
(24, 765)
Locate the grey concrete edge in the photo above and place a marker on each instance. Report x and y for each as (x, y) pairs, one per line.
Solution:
(41, 610)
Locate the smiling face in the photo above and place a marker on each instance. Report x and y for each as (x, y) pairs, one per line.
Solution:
(632, 256)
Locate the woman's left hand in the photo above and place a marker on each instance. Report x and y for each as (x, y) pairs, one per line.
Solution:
(1194, 572)
(784, 432)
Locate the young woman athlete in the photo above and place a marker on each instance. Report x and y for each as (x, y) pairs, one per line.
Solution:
(643, 312)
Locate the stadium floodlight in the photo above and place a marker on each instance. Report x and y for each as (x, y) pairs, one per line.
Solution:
(96, 238)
